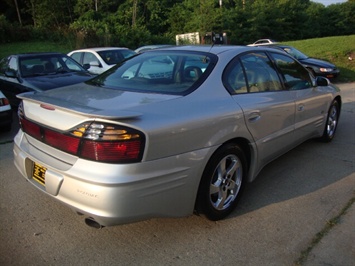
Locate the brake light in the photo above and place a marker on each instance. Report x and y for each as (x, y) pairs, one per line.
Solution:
(109, 143)
(30, 128)
(61, 141)
(94, 141)
(110, 151)
(4, 101)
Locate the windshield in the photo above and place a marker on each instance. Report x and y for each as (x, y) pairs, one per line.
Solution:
(39, 65)
(295, 53)
(113, 57)
(167, 72)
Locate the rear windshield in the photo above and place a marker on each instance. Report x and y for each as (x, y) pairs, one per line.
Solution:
(166, 72)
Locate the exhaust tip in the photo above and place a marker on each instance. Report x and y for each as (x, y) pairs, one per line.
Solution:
(92, 223)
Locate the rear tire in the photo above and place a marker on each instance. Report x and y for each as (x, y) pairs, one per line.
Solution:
(222, 182)
(332, 122)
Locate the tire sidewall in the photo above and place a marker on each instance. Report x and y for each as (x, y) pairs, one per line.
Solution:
(326, 137)
(203, 203)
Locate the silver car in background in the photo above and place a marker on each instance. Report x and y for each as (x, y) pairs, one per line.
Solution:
(171, 131)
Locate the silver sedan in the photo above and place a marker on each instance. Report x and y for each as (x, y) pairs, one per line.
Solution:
(171, 131)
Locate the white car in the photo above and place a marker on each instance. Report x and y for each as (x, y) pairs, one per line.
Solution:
(98, 60)
(5, 113)
(263, 42)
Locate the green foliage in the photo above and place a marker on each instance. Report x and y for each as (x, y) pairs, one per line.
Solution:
(134, 22)
(33, 46)
(50, 13)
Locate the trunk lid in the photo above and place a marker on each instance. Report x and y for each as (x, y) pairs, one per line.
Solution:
(65, 107)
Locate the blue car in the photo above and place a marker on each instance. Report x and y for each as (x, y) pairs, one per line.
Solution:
(316, 66)
(5, 113)
(38, 72)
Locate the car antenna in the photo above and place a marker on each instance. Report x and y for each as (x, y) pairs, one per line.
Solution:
(213, 43)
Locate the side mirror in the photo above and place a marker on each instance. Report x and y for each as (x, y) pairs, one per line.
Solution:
(10, 73)
(322, 81)
(86, 66)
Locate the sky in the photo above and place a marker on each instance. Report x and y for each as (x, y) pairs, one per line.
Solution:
(329, 2)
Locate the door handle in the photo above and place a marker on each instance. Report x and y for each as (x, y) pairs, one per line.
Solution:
(300, 107)
(254, 117)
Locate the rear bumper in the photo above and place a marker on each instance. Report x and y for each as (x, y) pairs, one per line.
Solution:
(118, 194)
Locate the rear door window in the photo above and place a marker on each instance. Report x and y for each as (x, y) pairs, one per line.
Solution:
(250, 73)
(90, 58)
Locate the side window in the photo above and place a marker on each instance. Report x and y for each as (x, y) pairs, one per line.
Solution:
(13, 64)
(234, 78)
(296, 77)
(70, 64)
(3, 66)
(76, 57)
(89, 57)
(8, 64)
(253, 72)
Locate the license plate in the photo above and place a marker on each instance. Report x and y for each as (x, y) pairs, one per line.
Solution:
(39, 173)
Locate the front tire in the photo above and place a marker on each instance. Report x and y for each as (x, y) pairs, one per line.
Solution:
(222, 182)
(332, 122)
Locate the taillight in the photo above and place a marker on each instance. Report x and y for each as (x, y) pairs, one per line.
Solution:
(123, 151)
(61, 141)
(109, 143)
(4, 101)
(30, 128)
(94, 141)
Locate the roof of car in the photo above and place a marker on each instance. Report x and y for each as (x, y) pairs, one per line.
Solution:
(31, 54)
(98, 49)
(199, 48)
(214, 49)
(152, 46)
(275, 46)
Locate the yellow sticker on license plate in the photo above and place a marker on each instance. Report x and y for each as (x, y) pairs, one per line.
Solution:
(39, 173)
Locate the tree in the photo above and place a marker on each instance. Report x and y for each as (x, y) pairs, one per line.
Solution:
(18, 12)
(340, 19)
(148, 21)
(50, 13)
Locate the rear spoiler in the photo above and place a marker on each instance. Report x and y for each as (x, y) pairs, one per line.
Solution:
(53, 103)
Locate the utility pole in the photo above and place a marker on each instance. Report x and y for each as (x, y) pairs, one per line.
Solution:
(134, 13)
(18, 12)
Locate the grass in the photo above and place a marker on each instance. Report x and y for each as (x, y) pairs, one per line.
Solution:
(333, 49)
(35, 46)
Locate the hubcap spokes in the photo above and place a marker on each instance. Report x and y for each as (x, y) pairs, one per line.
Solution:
(332, 121)
(226, 182)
